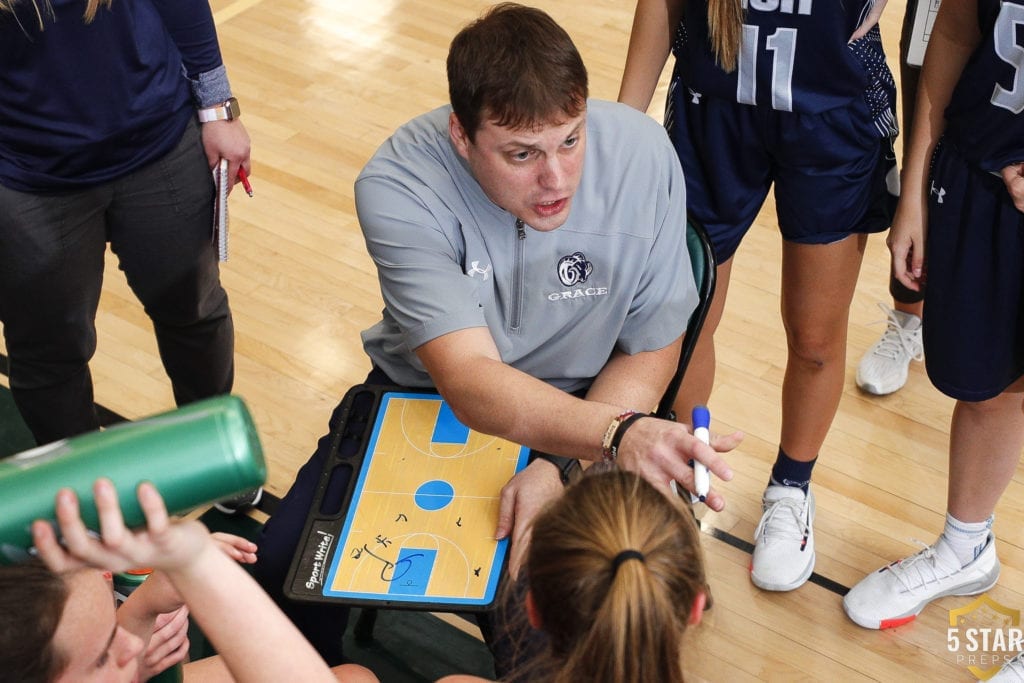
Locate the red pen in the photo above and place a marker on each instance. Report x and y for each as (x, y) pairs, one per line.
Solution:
(244, 177)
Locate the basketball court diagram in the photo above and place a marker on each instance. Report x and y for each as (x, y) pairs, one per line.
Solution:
(421, 524)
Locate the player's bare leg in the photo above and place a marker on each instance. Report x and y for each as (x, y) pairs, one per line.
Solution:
(985, 443)
(818, 282)
(817, 287)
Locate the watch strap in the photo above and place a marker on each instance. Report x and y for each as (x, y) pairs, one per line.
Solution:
(225, 111)
(567, 467)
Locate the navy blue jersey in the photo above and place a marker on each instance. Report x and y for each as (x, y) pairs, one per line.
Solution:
(983, 118)
(794, 55)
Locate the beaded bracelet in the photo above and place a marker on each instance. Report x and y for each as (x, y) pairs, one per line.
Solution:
(609, 434)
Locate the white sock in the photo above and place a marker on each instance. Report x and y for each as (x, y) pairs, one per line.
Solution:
(967, 539)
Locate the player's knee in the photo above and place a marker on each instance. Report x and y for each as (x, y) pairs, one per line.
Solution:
(816, 350)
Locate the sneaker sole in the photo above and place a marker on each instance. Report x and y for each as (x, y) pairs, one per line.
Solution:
(910, 615)
(783, 587)
(248, 506)
(880, 389)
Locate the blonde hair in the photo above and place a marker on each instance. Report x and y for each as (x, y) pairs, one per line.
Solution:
(91, 7)
(614, 567)
(725, 27)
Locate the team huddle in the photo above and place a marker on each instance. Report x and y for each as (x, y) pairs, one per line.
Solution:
(530, 247)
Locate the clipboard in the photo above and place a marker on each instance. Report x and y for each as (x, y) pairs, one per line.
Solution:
(221, 185)
(406, 507)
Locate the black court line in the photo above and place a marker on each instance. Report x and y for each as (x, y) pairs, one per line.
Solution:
(270, 502)
(748, 547)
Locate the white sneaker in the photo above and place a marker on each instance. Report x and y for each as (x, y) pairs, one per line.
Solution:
(896, 593)
(246, 500)
(784, 539)
(883, 369)
(1011, 672)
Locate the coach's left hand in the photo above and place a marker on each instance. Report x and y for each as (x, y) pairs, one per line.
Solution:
(521, 499)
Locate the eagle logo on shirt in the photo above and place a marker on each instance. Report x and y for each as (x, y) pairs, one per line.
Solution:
(574, 269)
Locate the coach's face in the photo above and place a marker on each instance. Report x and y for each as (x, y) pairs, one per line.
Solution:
(531, 172)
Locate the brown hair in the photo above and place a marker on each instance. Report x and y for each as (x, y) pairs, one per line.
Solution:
(614, 567)
(516, 66)
(91, 6)
(32, 600)
(725, 27)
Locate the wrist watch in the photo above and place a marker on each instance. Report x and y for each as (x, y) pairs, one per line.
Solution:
(225, 111)
(567, 467)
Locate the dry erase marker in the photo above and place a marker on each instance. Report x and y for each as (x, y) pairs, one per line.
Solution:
(244, 177)
(701, 478)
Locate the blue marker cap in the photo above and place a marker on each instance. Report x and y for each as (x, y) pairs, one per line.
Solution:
(701, 417)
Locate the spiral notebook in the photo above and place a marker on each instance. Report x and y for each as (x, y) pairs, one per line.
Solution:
(221, 186)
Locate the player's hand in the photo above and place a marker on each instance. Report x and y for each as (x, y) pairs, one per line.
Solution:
(239, 549)
(522, 498)
(660, 451)
(168, 644)
(163, 544)
(869, 21)
(1013, 177)
(906, 244)
(227, 140)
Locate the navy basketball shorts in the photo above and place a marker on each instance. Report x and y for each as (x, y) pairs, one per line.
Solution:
(974, 309)
(829, 169)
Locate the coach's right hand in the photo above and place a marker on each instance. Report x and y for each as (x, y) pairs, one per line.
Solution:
(660, 451)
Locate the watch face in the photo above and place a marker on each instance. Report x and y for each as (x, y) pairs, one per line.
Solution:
(233, 110)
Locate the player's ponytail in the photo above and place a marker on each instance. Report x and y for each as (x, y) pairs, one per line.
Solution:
(725, 27)
(614, 567)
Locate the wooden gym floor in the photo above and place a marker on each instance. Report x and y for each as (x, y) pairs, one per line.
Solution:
(322, 83)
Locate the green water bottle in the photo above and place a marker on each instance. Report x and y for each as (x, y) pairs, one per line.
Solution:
(203, 452)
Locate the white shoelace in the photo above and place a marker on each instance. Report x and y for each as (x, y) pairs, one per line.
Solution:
(921, 569)
(787, 527)
(897, 341)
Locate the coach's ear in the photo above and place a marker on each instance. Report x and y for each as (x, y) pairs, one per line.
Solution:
(532, 615)
(460, 139)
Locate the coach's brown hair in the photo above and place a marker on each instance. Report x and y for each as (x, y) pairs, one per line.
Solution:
(517, 67)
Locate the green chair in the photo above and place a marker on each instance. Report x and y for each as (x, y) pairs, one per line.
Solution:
(702, 260)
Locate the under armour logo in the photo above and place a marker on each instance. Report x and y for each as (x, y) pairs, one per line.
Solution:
(695, 96)
(475, 269)
(941, 192)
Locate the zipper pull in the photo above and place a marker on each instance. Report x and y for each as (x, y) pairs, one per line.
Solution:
(519, 229)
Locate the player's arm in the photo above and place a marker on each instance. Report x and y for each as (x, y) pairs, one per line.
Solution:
(954, 37)
(650, 41)
(870, 21)
(256, 640)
